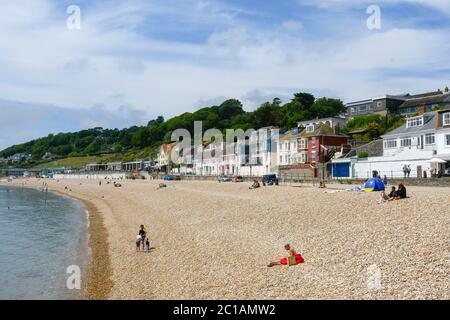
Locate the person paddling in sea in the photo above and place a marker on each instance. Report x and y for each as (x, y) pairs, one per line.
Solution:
(292, 259)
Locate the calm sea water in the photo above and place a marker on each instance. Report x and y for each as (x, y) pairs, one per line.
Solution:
(41, 235)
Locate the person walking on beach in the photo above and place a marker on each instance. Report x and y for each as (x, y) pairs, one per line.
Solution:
(138, 243)
(405, 171)
(143, 234)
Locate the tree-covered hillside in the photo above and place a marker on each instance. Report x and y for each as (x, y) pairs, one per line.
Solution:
(372, 126)
(230, 114)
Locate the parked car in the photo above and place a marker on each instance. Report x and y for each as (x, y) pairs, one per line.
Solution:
(270, 179)
(224, 179)
(238, 179)
(447, 173)
(171, 177)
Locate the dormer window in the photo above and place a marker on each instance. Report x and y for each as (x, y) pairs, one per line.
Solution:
(414, 122)
(310, 128)
(446, 119)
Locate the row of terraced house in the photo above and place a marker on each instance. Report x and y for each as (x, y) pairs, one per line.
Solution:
(318, 148)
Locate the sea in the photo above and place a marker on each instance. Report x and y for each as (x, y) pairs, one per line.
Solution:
(44, 250)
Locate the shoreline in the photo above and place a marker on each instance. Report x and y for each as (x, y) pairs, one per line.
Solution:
(98, 283)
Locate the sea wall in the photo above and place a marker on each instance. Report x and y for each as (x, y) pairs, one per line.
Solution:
(91, 176)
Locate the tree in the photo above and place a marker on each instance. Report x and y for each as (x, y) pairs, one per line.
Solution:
(305, 99)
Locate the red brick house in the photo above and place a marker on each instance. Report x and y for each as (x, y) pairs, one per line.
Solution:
(318, 142)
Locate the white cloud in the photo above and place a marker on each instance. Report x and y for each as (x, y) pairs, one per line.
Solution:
(441, 5)
(111, 63)
(21, 122)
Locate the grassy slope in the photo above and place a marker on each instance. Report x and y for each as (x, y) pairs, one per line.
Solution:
(83, 161)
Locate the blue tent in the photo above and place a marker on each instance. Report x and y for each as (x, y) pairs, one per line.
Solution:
(374, 184)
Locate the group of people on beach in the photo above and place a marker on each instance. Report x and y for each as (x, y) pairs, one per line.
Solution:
(142, 240)
(395, 194)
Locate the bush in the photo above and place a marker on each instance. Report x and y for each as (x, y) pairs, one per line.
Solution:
(363, 154)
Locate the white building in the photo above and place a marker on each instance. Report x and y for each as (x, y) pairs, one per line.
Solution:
(164, 157)
(260, 156)
(418, 144)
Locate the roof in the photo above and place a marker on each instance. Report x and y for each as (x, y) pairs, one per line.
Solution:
(323, 130)
(423, 95)
(317, 120)
(438, 98)
(400, 97)
(359, 131)
(429, 120)
(291, 134)
(168, 146)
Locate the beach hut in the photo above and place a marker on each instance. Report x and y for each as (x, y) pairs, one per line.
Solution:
(374, 184)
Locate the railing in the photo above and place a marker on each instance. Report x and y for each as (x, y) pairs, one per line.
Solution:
(298, 179)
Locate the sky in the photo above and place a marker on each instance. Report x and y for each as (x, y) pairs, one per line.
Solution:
(133, 60)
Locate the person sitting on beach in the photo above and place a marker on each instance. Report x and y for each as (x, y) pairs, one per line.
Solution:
(383, 197)
(255, 185)
(400, 193)
(138, 243)
(292, 259)
(161, 186)
(393, 193)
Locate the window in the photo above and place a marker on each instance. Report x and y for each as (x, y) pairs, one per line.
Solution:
(430, 138)
(303, 157)
(414, 122)
(310, 128)
(446, 119)
(363, 108)
(303, 144)
(447, 140)
(390, 143)
(405, 142)
(281, 159)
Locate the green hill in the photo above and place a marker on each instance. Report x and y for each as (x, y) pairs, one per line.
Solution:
(99, 144)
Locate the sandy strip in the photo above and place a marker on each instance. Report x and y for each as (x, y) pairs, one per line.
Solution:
(98, 284)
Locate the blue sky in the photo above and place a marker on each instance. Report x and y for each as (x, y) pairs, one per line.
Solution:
(133, 60)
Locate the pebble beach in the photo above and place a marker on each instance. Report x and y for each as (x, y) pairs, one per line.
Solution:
(213, 241)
